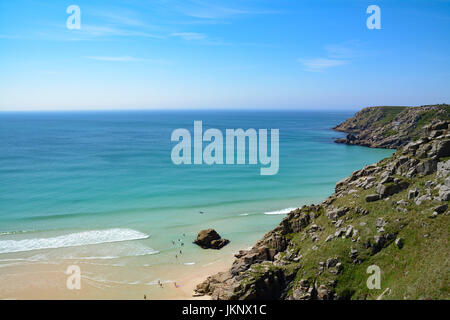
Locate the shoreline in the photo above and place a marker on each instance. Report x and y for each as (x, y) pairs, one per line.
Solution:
(137, 270)
(364, 216)
(128, 278)
(44, 282)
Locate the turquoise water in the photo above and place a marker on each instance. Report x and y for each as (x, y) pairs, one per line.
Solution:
(105, 181)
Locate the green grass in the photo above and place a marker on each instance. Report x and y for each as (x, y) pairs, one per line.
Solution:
(417, 271)
(389, 133)
(426, 118)
(389, 113)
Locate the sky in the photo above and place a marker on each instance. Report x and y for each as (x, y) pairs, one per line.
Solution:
(232, 54)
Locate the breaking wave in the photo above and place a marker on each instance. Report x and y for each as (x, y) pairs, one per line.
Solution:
(282, 211)
(71, 240)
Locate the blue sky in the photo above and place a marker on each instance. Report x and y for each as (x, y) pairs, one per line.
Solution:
(210, 54)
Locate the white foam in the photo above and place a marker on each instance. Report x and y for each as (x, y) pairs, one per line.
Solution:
(71, 240)
(94, 258)
(13, 232)
(189, 263)
(282, 211)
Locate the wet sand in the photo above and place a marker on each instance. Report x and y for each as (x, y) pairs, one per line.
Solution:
(48, 281)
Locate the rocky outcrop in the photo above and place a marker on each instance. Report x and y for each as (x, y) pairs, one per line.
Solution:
(316, 250)
(210, 239)
(263, 281)
(393, 127)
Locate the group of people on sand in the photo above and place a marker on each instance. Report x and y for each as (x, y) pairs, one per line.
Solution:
(161, 286)
(174, 283)
(176, 256)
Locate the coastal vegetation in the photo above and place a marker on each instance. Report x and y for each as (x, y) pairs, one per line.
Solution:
(391, 216)
(390, 127)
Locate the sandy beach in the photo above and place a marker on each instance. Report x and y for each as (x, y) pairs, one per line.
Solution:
(49, 282)
(127, 226)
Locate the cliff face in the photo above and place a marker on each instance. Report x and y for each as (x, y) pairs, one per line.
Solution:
(393, 214)
(390, 127)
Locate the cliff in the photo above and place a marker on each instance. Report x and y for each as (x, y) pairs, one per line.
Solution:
(390, 127)
(392, 214)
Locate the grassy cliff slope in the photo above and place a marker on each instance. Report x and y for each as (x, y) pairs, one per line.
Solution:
(390, 127)
(392, 214)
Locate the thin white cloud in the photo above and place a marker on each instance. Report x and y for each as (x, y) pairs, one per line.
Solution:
(336, 55)
(321, 64)
(100, 31)
(90, 33)
(189, 36)
(211, 12)
(215, 10)
(200, 38)
(127, 18)
(127, 59)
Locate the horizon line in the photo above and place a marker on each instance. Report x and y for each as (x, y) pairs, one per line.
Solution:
(208, 110)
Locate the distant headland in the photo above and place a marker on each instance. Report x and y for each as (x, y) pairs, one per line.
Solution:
(383, 234)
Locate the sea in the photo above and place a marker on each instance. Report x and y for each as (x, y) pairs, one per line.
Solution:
(99, 190)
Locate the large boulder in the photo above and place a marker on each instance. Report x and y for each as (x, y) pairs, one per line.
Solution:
(336, 213)
(440, 149)
(444, 193)
(441, 125)
(222, 280)
(372, 197)
(303, 290)
(441, 209)
(210, 239)
(443, 169)
(246, 258)
(389, 189)
(426, 167)
(382, 241)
